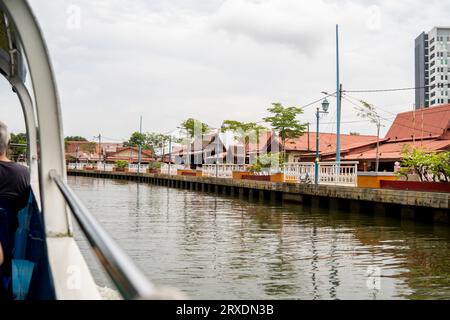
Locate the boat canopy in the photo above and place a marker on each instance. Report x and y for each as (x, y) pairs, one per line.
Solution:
(23, 51)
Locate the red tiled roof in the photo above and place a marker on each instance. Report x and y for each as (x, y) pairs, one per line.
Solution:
(71, 146)
(327, 142)
(264, 139)
(392, 150)
(429, 122)
(148, 153)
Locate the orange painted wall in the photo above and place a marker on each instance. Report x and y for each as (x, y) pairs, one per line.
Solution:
(374, 181)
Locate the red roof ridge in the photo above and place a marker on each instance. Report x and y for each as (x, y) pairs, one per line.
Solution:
(443, 106)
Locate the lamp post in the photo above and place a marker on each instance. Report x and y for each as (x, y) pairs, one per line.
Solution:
(325, 105)
(140, 146)
(78, 149)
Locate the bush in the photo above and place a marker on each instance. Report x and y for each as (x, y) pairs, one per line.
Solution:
(154, 165)
(121, 164)
(255, 168)
(267, 161)
(428, 166)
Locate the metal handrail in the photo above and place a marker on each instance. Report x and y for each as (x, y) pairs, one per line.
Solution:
(128, 278)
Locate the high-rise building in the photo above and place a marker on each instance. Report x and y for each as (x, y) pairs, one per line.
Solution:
(432, 68)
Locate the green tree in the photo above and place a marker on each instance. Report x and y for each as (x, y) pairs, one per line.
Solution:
(243, 130)
(425, 164)
(89, 147)
(284, 120)
(72, 138)
(368, 111)
(18, 145)
(138, 139)
(75, 138)
(157, 141)
(191, 124)
(439, 164)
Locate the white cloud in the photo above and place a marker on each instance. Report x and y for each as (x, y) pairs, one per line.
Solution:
(213, 60)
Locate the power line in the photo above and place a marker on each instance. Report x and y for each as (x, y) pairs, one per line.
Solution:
(318, 100)
(359, 100)
(382, 90)
(400, 117)
(402, 125)
(391, 89)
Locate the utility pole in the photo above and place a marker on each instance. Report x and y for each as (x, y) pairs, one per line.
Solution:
(188, 150)
(377, 163)
(163, 142)
(339, 100)
(308, 138)
(170, 153)
(217, 153)
(414, 127)
(99, 137)
(139, 147)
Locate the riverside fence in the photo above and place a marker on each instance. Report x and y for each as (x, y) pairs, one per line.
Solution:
(330, 173)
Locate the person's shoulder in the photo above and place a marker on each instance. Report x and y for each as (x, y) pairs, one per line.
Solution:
(19, 169)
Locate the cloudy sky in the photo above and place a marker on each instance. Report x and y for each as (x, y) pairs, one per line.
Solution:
(224, 59)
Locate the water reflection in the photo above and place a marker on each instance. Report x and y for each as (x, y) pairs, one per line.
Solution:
(216, 247)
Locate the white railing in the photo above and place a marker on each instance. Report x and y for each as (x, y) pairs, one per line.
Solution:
(100, 166)
(76, 166)
(134, 168)
(296, 172)
(173, 168)
(106, 167)
(330, 173)
(223, 170)
(342, 174)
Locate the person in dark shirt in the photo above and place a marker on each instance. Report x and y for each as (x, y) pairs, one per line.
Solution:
(14, 194)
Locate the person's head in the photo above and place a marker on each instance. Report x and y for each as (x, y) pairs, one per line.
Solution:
(4, 139)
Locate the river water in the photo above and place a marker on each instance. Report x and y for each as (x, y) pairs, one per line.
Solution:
(222, 247)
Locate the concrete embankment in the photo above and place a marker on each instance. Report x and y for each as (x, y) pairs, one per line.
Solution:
(408, 205)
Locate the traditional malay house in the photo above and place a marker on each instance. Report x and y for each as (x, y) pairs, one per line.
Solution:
(207, 149)
(131, 155)
(428, 129)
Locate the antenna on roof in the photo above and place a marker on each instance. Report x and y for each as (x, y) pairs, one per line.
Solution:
(414, 126)
(421, 141)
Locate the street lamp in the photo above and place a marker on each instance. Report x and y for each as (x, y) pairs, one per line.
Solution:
(325, 105)
(78, 149)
